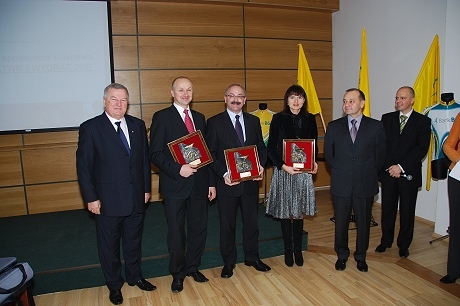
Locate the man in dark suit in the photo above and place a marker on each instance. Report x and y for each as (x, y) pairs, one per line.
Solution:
(222, 135)
(354, 148)
(114, 177)
(408, 139)
(184, 188)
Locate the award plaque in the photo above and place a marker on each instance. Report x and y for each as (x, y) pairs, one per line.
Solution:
(299, 153)
(242, 163)
(191, 149)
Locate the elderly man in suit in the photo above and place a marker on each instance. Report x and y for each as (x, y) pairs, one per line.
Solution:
(184, 188)
(408, 139)
(222, 135)
(114, 176)
(354, 148)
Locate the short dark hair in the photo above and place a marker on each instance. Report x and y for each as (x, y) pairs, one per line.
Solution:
(362, 96)
(298, 91)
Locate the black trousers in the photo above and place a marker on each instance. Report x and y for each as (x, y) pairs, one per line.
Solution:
(407, 199)
(228, 207)
(110, 232)
(362, 208)
(453, 257)
(187, 231)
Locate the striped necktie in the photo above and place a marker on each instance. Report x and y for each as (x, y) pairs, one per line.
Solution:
(402, 123)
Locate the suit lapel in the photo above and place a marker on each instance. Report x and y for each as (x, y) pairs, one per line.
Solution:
(228, 126)
(177, 120)
(109, 131)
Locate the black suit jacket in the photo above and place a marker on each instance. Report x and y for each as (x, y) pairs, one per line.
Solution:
(221, 135)
(355, 166)
(167, 125)
(407, 148)
(106, 171)
(282, 127)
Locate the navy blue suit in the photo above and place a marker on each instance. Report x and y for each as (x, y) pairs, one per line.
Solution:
(106, 172)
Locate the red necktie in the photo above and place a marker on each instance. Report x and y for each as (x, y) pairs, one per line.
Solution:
(188, 122)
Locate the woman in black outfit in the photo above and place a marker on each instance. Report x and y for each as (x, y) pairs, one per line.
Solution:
(292, 194)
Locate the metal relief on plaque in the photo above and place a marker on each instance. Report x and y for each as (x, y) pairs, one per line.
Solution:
(297, 154)
(243, 164)
(189, 152)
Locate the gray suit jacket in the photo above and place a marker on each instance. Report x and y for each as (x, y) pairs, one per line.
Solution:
(355, 166)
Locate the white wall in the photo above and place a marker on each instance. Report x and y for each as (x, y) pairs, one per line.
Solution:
(399, 34)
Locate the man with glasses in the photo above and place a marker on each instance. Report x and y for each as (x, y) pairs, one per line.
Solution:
(222, 133)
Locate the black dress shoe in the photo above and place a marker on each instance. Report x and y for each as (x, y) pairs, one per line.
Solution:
(177, 285)
(341, 264)
(143, 285)
(361, 265)
(198, 277)
(404, 253)
(116, 297)
(258, 265)
(382, 248)
(227, 271)
(448, 279)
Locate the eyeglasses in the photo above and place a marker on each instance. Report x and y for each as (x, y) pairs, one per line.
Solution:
(232, 96)
(300, 98)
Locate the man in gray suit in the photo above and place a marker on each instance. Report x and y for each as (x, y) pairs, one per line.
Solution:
(114, 175)
(354, 148)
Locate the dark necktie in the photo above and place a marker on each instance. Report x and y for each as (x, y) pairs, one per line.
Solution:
(239, 129)
(188, 122)
(353, 130)
(122, 136)
(402, 123)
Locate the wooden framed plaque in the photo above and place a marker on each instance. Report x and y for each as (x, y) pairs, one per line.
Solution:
(299, 153)
(191, 149)
(242, 163)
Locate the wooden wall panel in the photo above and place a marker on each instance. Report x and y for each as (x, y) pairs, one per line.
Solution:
(284, 54)
(272, 84)
(197, 53)
(155, 195)
(49, 165)
(209, 85)
(190, 19)
(288, 24)
(123, 17)
(10, 171)
(332, 5)
(215, 43)
(131, 80)
(12, 202)
(10, 140)
(125, 52)
(54, 197)
(51, 138)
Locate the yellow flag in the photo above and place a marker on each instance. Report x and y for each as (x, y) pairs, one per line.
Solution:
(427, 86)
(305, 80)
(363, 82)
(427, 91)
